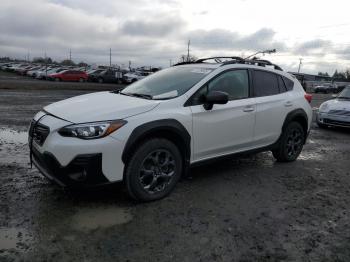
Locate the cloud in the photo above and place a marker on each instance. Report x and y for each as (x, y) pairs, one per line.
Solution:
(314, 47)
(162, 26)
(143, 31)
(228, 40)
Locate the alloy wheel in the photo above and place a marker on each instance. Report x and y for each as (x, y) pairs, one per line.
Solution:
(294, 142)
(157, 171)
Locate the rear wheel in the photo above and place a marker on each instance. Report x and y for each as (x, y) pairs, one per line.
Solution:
(291, 143)
(81, 80)
(100, 80)
(57, 79)
(153, 170)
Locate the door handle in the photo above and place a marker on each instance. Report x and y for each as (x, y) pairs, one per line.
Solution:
(248, 109)
(288, 103)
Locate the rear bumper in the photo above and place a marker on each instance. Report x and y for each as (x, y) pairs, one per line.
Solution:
(84, 171)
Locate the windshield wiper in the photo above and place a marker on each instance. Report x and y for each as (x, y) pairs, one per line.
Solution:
(117, 91)
(137, 95)
(343, 97)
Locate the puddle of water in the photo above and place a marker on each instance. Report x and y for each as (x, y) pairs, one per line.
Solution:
(8, 136)
(101, 217)
(13, 238)
(310, 156)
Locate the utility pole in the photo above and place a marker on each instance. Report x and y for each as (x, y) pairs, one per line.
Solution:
(300, 63)
(28, 57)
(188, 50)
(45, 63)
(70, 54)
(110, 57)
(130, 65)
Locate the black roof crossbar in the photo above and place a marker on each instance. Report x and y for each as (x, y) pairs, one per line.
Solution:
(234, 60)
(217, 59)
(258, 62)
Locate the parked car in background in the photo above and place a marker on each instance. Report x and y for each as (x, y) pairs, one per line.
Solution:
(23, 71)
(335, 112)
(132, 77)
(43, 74)
(106, 76)
(325, 89)
(93, 74)
(69, 75)
(34, 71)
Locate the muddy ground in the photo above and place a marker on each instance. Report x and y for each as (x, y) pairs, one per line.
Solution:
(245, 209)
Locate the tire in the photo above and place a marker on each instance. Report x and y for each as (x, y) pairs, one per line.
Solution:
(81, 80)
(57, 79)
(146, 176)
(291, 143)
(100, 80)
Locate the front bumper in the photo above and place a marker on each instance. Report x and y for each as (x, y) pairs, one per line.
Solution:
(83, 171)
(333, 120)
(74, 162)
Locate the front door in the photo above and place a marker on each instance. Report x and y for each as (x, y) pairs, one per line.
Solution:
(227, 128)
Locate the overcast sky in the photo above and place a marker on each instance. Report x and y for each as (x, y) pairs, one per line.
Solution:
(151, 32)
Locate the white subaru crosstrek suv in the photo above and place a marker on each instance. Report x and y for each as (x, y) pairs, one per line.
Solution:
(150, 133)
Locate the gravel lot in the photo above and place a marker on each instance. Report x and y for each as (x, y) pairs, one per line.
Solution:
(245, 209)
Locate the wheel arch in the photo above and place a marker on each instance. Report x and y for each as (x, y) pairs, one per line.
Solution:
(167, 128)
(297, 115)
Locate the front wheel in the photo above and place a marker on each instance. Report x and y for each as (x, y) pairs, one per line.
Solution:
(153, 170)
(81, 80)
(291, 143)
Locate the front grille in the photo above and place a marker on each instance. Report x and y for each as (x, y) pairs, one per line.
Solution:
(339, 112)
(39, 132)
(335, 122)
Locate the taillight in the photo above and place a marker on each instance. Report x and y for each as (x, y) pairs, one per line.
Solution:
(308, 97)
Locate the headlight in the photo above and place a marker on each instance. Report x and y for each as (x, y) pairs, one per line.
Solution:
(324, 107)
(91, 130)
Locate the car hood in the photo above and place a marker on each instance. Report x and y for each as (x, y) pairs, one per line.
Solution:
(99, 107)
(339, 104)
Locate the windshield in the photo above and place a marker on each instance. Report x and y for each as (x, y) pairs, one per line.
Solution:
(167, 83)
(345, 93)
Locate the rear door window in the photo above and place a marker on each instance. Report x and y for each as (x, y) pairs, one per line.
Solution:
(265, 83)
(281, 85)
(289, 83)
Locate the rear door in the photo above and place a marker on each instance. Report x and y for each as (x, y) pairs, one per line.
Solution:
(273, 103)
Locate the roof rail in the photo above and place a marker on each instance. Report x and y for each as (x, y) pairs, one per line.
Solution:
(234, 60)
(257, 62)
(185, 63)
(217, 59)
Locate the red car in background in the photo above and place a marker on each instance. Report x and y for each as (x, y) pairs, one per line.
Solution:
(69, 75)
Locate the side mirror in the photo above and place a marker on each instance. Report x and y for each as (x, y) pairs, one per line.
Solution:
(215, 97)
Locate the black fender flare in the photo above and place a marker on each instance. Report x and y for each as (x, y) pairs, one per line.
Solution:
(166, 127)
(296, 114)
